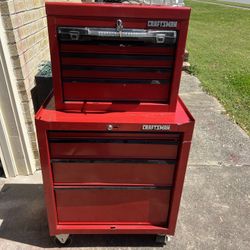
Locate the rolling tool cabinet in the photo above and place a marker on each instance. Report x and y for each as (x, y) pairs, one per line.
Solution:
(115, 137)
(113, 172)
(116, 57)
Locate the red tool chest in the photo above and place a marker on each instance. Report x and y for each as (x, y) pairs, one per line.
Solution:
(113, 172)
(115, 137)
(116, 57)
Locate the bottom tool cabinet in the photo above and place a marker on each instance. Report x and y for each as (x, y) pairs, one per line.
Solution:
(113, 173)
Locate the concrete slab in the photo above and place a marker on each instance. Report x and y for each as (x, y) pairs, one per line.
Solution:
(215, 205)
(214, 211)
(195, 98)
(217, 140)
(189, 84)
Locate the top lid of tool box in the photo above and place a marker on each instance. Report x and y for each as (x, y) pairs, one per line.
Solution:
(120, 56)
(155, 122)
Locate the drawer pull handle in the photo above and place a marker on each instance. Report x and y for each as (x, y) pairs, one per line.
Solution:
(113, 188)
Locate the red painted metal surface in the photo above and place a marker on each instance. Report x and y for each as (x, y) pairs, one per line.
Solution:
(112, 150)
(158, 93)
(114, 172)
(108, 194)
(112, 206)
(146, 74)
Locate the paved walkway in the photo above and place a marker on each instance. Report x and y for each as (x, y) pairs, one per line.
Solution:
(223, 4)
(237, 1)
(215, 206)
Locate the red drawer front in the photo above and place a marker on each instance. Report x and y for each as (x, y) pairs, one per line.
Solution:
(124, 91)
(106, 72)
(158, 173)
(102, 72)
(114, 49)
(113, 62)
(152, 149)
(113, 205)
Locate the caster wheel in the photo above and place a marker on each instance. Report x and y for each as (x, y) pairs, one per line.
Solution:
(162, 239)
(58, 243)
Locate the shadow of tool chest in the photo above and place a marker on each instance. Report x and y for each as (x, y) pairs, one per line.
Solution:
(114, 136)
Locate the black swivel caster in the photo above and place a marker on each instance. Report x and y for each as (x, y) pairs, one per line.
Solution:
(62, 240)
(162, 239)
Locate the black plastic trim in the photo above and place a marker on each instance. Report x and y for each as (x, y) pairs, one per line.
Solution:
(115, 187)
(125, 161)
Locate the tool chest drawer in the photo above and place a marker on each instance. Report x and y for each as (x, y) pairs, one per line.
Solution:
(156, 172)
(113, 147)
(112, 205)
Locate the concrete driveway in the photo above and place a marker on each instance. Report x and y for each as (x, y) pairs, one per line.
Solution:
(237, 1)
(215, 208)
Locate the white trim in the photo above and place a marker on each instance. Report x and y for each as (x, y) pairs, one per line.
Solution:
(6, 155)
(13, 128)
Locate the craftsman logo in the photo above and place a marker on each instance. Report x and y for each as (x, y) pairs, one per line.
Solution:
(162, 24)
(155, 127)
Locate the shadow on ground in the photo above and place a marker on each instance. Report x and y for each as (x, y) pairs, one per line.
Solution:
(23, 220)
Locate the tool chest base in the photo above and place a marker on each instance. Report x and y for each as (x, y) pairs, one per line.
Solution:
(113, 173)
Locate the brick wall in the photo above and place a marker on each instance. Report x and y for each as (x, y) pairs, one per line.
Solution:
(25, 26)
(26, 30)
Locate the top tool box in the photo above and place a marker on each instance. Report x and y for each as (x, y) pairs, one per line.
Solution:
(116, 57)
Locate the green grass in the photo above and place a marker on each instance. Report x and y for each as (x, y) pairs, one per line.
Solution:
(219, 53)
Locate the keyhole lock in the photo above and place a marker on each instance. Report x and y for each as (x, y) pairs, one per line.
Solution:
(110, 127)
(119, 25)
